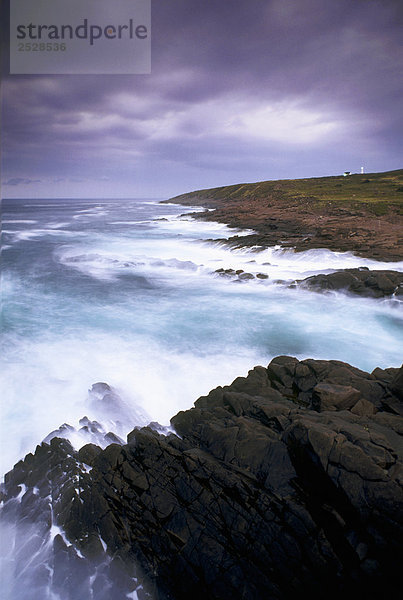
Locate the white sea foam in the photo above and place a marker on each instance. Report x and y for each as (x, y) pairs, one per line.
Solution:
(107, 255)
(128, 222)
(90, 215)
(58, 373)
(29, 234)
(57, 225)
(202, 230)
(18, 221)
(110, 265)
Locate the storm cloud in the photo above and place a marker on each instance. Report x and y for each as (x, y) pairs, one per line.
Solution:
(239, 91)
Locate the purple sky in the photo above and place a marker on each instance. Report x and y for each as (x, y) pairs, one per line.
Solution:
(240, 90)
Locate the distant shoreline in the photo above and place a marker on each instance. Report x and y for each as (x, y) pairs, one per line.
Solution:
(362, 214)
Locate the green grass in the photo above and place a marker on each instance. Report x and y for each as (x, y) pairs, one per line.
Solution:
(377, 193)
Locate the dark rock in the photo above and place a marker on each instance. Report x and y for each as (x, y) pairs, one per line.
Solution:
(361, 281)
(396, 385)
(240, 275)
(288, 479)
(225, 272)
(91, 426)
(88, 453)
(328, 396)
(112, 438)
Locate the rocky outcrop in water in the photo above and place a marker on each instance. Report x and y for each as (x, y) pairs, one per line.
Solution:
(288, 480)
(239, 275)
(361, 282)
(358, 281)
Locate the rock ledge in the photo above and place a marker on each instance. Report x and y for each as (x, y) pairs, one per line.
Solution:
(288, 479)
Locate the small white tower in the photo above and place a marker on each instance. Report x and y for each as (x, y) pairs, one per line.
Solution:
(362, 170)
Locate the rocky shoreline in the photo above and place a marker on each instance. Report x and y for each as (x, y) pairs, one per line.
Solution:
(361, 214)
(380, 240)
(287, 215)
(288, 479)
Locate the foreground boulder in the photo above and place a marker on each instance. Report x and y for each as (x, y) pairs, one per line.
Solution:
(287, 481)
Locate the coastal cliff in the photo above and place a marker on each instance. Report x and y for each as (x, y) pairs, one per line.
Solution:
(288, 479)
(362, 214)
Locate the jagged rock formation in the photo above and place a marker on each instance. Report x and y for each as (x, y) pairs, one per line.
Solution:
(288, 480)
(361, 282)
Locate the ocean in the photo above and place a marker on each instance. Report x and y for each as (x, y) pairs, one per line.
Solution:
(126, 292)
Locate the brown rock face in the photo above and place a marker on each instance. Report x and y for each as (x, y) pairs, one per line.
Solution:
(327, 396)
(288, 479)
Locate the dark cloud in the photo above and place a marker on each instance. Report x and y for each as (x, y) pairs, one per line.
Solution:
(258, 88)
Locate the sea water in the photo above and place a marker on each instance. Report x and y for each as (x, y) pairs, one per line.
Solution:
(126, 292)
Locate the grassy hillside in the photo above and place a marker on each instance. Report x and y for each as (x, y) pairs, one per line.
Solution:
(376, 193)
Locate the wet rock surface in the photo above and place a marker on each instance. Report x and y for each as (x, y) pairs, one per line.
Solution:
(288, 479)
(361, 282)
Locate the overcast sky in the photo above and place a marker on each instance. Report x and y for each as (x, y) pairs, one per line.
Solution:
(240, 90)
